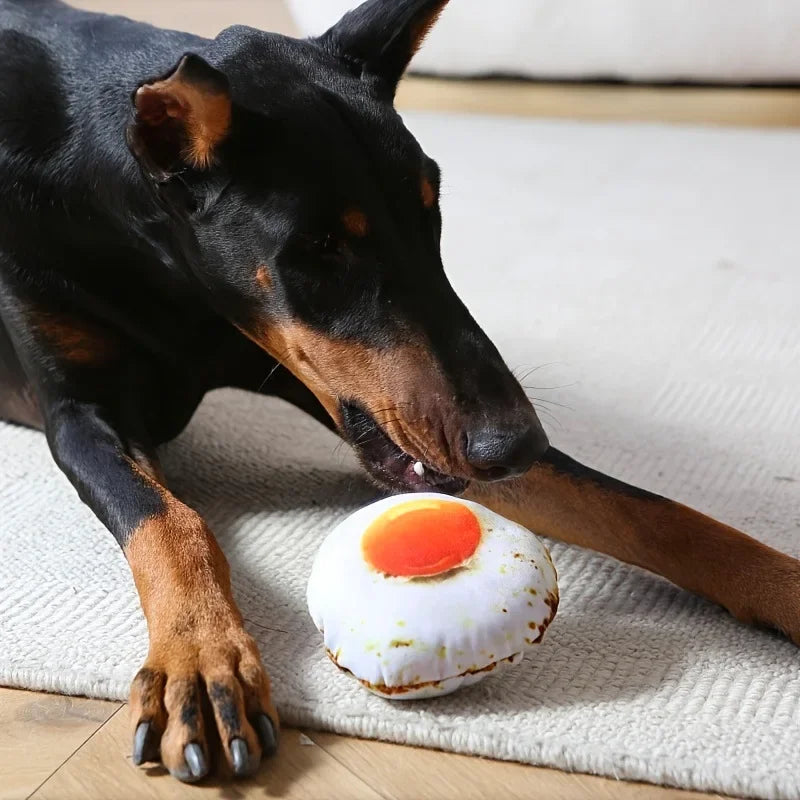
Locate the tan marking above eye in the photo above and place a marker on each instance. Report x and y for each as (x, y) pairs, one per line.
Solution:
(355, 222)
(263, 278)
(428, 193)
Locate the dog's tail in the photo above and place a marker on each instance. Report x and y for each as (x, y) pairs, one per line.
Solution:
(563, 499)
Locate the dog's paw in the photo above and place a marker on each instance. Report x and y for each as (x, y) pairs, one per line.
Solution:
(201, 703)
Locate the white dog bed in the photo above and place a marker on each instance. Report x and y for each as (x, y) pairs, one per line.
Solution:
(729, 41)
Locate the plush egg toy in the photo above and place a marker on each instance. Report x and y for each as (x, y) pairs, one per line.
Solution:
(419, 594)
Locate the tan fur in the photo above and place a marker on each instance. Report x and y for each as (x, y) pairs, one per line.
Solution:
(263, 277)
(76, 340)
(754, 582)
(428, 193)
(205, 114)
(383, 380)
(180, 573)
(355, 223)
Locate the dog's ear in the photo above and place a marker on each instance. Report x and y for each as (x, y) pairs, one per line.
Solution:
(181, 119)
(381, 36)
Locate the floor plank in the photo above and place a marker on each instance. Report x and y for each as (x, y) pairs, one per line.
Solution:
(38, 732)
(765, 107)
(408, 773)
(102, 769)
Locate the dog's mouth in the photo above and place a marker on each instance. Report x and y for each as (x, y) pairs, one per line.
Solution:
(387, 463)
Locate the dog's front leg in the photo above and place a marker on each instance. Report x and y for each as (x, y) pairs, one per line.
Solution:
(561, 498)
(203, 682)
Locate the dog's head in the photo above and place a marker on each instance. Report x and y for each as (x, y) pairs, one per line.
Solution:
(311, 216)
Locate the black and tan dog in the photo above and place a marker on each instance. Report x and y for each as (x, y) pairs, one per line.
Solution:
(179, 214)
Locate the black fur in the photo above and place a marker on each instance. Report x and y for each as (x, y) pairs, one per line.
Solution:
(567, 465)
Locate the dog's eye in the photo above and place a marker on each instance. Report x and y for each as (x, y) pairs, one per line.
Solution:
(331, 245)
(326, 246)
(334, 247)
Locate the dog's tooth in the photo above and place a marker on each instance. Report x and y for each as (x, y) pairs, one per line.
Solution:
(419, 468)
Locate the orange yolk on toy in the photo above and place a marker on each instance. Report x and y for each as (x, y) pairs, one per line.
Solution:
(421, 538)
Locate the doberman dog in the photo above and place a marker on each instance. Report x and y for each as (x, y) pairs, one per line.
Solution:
(179, 214)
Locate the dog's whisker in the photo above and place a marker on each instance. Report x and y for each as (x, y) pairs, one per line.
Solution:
(529, 372)
(549, 416)
(279, 359)
(263, 383)
(549, 388)
(535, 400)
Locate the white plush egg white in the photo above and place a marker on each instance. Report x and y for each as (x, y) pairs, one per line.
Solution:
(407, 638)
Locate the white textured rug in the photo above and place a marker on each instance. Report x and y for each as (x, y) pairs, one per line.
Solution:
(659, 268)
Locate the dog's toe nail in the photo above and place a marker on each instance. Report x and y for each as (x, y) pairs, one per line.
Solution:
(141, 743)
(266, 734)
(195, 759)
(240, 757)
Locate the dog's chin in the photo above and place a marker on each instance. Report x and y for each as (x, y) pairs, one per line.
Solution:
(386, 463)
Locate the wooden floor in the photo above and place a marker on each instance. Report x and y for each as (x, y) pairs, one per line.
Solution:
(59, 747)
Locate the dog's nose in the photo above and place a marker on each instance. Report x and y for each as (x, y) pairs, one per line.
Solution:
(497, 452)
